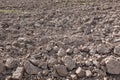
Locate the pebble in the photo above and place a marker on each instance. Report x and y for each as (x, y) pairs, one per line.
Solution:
(96, 63)
(45, 72)
(48, 48)
(52, 60)
(11, 63)
(112, 65)
(88, 73)
(56, 48)
(30, 68)
(69, 63)
(73, 77)
(88, 63)
(69, 51)
(80, 72)
(76, 50)
(17, 75)
(102, 49)
(61, 70)
(61, 52)
(43, 65)
(34, 61)
(117, 50)
(78, 58)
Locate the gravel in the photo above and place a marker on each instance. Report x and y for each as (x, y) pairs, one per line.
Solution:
(59, 40)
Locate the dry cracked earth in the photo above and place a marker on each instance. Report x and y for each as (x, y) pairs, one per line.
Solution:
(59, 40)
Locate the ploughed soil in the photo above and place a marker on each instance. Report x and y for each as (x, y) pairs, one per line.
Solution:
(59, 40)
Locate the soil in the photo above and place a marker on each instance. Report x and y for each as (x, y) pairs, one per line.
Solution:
(39, 34)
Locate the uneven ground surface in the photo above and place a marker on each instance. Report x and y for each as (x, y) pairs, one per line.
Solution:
(59, 40)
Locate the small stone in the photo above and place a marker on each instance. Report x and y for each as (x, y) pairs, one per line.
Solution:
(88, 63)
(55, 48)
(112, 65)
(30, 68)
(69, 51)
(43, 65)
(61, 52)
(45, 72)
(52, 60)
(80, 72)
(88, 73)
(17, 75)
(92, 51)
(104, 48)
(73, 77)
(39, 74)
(76, 50)
(48, 48)
(11, 63)
(61, 70)
(96, 63)
(117, 50)
(34, 61)
(78, 58)
(69, 63)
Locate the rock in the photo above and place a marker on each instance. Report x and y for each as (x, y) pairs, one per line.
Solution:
(76, 50)
(104, 48)
(39, 74)
(100, 72)
(92, 51)
(61, 70)
(52, 60)
(55, 48)
(78, 58)
(88, 73)
(30, 68)
(73, 77)
(11, 63)
(45, 72)
(69, 63)
(61, 52)
(43, 65)
(88, 63)
(2, 67)
(69, 51)
(17, 75)
(80, 72)
(96, 63)
(48, 48)
(112, 65)
(34, 61)
(117, 50)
